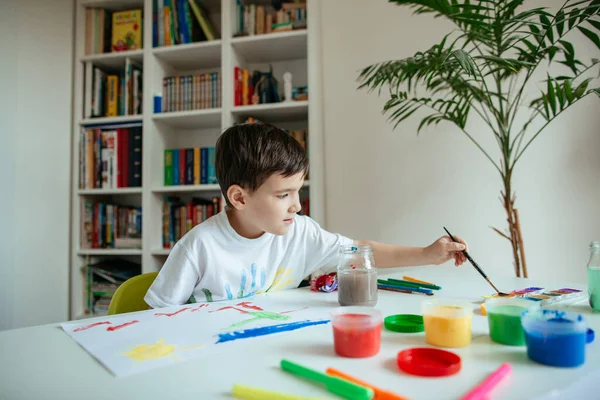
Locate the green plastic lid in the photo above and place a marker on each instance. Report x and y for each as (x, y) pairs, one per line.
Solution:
(408, 323)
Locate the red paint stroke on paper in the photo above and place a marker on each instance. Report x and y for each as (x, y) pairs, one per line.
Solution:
(300, 309)
(231, 307)
(247, 304)
(83, 328)
(199, 307)
(114, 328)
(171, 314)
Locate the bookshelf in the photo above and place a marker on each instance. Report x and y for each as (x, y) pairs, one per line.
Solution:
(296, 51)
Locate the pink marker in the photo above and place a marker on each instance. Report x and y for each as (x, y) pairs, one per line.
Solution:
(482, 390)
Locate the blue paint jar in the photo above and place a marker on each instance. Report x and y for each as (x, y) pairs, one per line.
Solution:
(555, 338)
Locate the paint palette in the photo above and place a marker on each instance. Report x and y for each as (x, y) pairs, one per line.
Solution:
(547, 297)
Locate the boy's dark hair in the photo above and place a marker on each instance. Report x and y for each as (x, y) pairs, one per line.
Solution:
(248, 154)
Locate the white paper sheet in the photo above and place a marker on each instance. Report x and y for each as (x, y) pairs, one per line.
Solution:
(127, 344)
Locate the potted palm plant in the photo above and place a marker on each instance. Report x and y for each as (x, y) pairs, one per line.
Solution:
(485, 68)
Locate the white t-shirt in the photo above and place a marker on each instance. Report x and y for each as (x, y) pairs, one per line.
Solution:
(213, 262)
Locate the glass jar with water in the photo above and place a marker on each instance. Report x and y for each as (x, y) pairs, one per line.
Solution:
(357, 276)
(593, 275)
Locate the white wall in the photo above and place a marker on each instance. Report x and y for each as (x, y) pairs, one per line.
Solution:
(402, 188)
(35, 115)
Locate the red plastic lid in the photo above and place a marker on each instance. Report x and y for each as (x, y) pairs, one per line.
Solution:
(428, 362)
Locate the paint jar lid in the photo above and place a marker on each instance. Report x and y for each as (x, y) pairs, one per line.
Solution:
(407, 323)
(427, 361)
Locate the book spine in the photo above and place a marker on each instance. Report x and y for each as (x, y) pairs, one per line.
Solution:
(111, 96)
(137, 157)
(219, 85)
(206, 91)
(245, 100)
(160, 7)
(203, 165)
(168, 167)
(196, 166)
(212, 175)
(126, 157)
(182, 167)
(202, 92)
(165, 221)
(105, 161)
(175, 166)
(189, 166)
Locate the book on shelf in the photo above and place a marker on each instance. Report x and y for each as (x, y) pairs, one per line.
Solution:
(179, 217)
(107, 31)
(110, 226)
(98, 27)
(190, 166)
(180, 22)
(126, 30)
(256, 19)
(110, 157)
(102, 281)
(191, 92)
(256, 88)
(115, 92)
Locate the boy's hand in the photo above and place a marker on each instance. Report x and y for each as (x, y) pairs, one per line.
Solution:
(445, 249)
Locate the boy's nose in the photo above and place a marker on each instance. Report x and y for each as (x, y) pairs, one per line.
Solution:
(296, 207)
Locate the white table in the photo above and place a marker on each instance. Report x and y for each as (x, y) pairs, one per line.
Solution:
(42, 362)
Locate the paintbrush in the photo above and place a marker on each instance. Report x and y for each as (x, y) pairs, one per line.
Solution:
(474, 264)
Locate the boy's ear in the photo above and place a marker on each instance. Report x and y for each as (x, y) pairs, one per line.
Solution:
(237, 196)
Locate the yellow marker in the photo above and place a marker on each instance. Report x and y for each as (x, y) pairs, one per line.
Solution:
(250, 393)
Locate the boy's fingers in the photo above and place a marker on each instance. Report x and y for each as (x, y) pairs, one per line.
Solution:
(463, 241)
(458, 246)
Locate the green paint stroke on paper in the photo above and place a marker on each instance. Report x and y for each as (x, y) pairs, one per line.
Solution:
(258, 315)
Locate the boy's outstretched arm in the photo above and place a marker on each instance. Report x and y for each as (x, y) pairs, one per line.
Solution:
(440, 251)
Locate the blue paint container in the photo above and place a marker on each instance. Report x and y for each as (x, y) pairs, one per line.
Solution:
(555, 338)
(157, 104)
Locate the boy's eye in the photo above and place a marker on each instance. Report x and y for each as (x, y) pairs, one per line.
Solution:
(282, 196)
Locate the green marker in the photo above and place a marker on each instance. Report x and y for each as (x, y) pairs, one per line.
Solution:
(334, 385)
(396, 283)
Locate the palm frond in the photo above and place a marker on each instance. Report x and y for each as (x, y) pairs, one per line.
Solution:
(496, 42)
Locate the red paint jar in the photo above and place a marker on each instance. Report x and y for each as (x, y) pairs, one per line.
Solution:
(356, 331)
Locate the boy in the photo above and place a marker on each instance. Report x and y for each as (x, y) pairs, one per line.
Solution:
(259, 243)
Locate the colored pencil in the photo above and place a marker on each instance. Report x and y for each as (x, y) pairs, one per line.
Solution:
(424, 285)
(408, 278)
(396, 289)
(398, 286)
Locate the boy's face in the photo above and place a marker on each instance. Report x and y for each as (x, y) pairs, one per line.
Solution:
(273, 206)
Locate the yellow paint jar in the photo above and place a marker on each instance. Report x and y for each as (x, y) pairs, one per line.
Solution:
(447, 322)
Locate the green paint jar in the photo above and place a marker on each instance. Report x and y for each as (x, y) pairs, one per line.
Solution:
(504, 319)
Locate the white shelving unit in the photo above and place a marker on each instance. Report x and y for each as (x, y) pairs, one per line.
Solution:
(295, 51)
